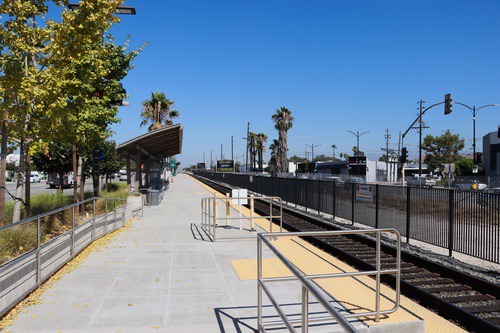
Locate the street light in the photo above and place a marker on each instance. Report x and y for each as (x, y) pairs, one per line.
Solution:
(312, 149)
(124, 10)
(474, 113)
(357, 134)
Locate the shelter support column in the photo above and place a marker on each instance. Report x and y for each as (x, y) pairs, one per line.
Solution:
(129, 174)
(138, 175)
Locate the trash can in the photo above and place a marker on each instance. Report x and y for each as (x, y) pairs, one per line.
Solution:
(153, 197)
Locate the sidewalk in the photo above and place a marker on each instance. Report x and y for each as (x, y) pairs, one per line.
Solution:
(159, 276)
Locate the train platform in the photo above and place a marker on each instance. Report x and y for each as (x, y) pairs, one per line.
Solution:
(162, 273)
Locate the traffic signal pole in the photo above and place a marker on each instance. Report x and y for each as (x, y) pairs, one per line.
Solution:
(409, 128)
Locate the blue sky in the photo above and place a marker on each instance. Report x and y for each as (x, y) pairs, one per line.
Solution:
(337, 65)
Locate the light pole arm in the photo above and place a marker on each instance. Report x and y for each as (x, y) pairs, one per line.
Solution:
(413, 123)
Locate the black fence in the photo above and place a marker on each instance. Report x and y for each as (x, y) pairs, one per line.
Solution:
(462, 221)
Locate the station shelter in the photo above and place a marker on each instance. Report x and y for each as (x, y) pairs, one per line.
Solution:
(146, 157)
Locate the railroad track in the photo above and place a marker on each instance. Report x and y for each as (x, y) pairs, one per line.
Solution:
(467, 300)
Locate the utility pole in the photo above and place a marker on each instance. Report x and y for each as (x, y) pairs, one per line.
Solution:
(221, 155)
(232, 147)
(387, 137)
(248, 136)
(211, 165)
(421, 127)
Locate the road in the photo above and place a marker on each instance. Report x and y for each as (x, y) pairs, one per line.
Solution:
(41, 188)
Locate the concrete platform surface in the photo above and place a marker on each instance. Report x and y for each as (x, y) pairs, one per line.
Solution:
(165, 275)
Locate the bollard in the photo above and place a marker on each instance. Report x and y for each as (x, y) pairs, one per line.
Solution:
(251, 213)
(216, 210)
(228, 209)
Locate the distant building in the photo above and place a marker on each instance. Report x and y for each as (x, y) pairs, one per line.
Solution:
(13, 158)
(491, 154)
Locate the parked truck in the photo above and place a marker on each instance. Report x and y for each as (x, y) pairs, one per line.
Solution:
(421, 181)
(53, 180)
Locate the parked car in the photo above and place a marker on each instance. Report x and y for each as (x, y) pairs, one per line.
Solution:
(123, 175)
(34, 178)
(54, 182)
(355, 180)
(471, 185)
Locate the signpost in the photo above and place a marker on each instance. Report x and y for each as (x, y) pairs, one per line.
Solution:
(241, 199)
(364, 193)
(225, 166)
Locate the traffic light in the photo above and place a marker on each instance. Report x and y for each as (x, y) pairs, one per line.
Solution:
(479, 158)
(448, 102)
(404, 155)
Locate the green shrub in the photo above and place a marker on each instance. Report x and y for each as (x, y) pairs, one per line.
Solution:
(17, 240)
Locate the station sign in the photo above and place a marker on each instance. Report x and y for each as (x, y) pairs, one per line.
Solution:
(357, 160)
(201, 166)
(241, 196)
(225, 166)
(364, 193)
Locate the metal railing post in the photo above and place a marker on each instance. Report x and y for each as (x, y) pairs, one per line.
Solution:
(319, 197)
(252, 208)
(73, 231)
(228, 209)
(259, 286)
(281, 215)
(377, 206)
(123, 211)
(377, 290)
(451, 195)
(114, 216)
(408, 211)
(271, 215)
(305, 310)
(38, 253)
(353, 197)
(106, 216)
(93, 220)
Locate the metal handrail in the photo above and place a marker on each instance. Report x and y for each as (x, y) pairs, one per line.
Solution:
(308, 286)
(36, 253)
(56, 211)
(210, 216)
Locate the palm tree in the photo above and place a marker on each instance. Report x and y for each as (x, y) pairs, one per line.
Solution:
(252, 148)
(261, 139)
(283, 121)
(333, 148)
(157, 111)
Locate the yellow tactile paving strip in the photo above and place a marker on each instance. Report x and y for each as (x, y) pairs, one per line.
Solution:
(356, 294)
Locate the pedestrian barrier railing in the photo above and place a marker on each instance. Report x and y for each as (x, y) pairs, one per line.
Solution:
(41, 253)
(310, 283)
(214, 216)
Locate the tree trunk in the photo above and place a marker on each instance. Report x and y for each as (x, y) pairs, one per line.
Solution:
(75, 175)
(61, 181)
(20, 182)
(27, 195)
(81, 183)
(3, 166)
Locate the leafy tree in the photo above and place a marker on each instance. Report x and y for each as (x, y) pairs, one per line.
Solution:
(320, 158)
(442, 149)
(112, 162)
(51, 72)
(297, 159)
(157, 111)
(463, 167)
(283, 122)
(56, 158)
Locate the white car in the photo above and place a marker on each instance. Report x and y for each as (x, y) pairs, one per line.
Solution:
(34, 178)
(471, 185)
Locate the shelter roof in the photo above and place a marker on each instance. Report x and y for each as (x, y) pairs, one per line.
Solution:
(157, 144)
